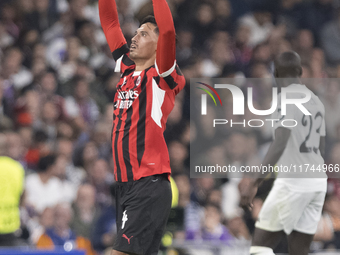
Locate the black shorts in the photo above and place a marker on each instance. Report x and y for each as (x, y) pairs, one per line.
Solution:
(143, 208)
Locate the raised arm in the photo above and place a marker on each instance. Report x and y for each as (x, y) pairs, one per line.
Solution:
(110, 23)
(166, 46)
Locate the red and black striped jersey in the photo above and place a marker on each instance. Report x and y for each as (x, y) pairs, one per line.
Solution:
(142, 104)
(143, 99)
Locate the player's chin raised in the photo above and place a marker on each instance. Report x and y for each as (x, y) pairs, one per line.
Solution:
(133, 54)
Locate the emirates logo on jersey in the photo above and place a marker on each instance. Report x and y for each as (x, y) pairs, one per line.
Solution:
(125, 99)
(131, 94)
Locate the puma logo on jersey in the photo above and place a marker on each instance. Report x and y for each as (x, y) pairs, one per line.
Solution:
(127, 238)
(124, 82)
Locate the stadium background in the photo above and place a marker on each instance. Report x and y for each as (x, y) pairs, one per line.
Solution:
(56, 91)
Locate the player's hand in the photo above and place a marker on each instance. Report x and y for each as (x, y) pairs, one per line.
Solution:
(248, 189)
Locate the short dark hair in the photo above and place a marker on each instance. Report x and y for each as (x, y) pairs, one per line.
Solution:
(288, 64)
(150, 19)
(46, 162)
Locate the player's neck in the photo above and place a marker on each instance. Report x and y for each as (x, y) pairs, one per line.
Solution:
(285, 82)
(142, 64)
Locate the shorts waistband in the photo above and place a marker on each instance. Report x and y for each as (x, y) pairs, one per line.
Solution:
(163, 175)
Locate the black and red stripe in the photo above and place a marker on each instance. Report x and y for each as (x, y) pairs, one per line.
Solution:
(126, 140)
(141, 121)
(116, 139)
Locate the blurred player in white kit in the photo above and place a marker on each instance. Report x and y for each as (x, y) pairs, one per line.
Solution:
(294, 205)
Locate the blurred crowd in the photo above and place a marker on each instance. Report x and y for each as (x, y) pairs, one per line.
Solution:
(56, 92)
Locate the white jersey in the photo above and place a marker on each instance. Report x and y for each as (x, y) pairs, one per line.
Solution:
(302, 155)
